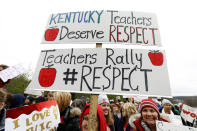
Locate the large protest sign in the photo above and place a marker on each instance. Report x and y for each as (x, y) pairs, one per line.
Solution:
(188, 113)
(165, 126)
(42, 116)
(106, 70)
(102, 26)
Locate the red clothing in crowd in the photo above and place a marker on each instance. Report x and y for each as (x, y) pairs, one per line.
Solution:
(102, 122)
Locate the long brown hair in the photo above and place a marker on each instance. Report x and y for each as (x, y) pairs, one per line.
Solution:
(109, 118)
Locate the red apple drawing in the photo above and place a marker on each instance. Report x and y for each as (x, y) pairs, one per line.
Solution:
(47, 76)
(51, 34)
(156, 58)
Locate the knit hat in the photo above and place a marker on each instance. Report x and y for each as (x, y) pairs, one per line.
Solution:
(102, 98)
(149, 103)
(165, 101)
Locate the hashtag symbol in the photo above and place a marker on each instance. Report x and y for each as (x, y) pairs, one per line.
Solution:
(68, 73)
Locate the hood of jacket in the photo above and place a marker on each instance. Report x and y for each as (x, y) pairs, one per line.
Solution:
(75, 112)
(102, 121)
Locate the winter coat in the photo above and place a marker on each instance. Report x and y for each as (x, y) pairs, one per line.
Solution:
(17, 101)
(116, 122)
(102, 122)
(175, 119)
(2, 119)
(175, 111)
(70, 119)
(136, 122)
(122, 124)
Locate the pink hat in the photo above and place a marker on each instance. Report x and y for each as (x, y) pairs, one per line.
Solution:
(149, 103)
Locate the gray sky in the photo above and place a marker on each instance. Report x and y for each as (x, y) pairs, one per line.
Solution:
(23, 23)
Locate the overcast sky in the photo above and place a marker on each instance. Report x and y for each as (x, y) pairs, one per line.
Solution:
(23, 23)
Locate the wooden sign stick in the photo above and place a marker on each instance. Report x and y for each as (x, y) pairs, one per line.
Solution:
(93, 106)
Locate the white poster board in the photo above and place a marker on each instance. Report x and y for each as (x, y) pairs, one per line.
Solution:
(188, 113)
(165, 126)
(32, 92)
(43, 116)
(102, 26)
(11, 72)
(104, 70)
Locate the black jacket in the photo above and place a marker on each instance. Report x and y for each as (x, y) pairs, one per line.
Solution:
(2, 119)
(71, 117)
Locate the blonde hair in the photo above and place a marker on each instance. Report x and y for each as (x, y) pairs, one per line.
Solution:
(63, 99)
(129, 109)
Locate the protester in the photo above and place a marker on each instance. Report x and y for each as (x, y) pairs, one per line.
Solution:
(49, 95)
(80, 103)
(3, 96)
(87, 100)
(111, 101)
(167, 110)
(180, 106)
(70, 117)
(43, 98)
(128, 109)
(146, 121)
(116, 110)
(15, 100)
(104, 102)
(29, 100)
(158, 105)
(137, 104)
(101, 124)
(167, 107)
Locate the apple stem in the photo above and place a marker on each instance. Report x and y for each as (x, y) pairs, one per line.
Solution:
(154, 51)
(53, 27)
(49, 66)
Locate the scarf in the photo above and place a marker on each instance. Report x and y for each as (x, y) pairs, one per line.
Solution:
(144, 126)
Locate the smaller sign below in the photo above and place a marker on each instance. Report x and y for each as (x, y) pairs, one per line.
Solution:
(188, 113)
(11, 72)
(43, 116)
(165, 126)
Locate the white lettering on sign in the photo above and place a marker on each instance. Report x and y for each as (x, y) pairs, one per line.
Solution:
(42, 116)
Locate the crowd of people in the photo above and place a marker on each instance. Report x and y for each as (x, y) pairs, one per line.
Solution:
(112, 115)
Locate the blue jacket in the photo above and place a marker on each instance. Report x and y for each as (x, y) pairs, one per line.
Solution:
(17, 101)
